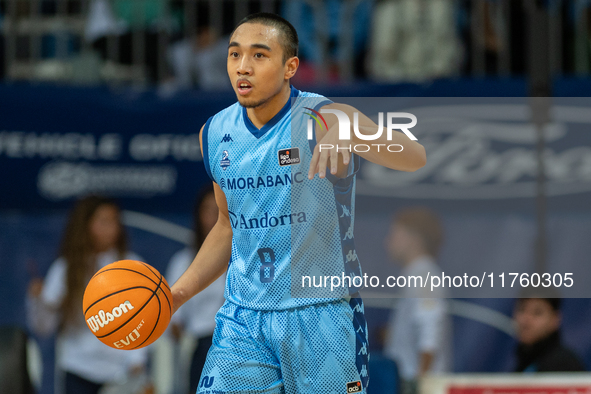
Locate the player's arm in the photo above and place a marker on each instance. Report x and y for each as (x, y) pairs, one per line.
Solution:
(213, 257)
(411, 158)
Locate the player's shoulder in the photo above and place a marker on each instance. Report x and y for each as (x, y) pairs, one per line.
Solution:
(228, 113)
(219, 122)
(309, 100)
(305, 94)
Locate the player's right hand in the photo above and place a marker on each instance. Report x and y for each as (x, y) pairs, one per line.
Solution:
(327, 151)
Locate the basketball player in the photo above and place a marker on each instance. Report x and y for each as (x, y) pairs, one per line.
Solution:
(276, 215)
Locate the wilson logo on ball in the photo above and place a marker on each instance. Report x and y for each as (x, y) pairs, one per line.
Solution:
(127, 304)
(103, 318)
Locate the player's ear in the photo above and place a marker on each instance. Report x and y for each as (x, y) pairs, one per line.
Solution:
(291, 66)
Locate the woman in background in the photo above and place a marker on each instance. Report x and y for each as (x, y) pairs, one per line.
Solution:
(196, 318)
(94, 237)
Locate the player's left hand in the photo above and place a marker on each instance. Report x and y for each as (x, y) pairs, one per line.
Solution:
(329, 148)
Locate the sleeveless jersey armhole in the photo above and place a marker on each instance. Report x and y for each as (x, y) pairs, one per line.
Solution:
(205, 142)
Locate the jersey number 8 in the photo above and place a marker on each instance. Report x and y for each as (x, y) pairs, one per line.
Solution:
(267, 264)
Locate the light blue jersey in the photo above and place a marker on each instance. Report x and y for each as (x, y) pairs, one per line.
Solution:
(272, 335)
(285, 227)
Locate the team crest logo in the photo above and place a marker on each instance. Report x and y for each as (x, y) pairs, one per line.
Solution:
(289, 157)
(225, 163)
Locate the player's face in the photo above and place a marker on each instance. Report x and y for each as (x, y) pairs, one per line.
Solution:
(535, 320)
(399, 242)
(104, 228)
(255, 64)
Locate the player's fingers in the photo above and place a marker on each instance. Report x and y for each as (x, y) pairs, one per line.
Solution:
(346, 155)
(334, 159)
(314, 162)
(323, 162)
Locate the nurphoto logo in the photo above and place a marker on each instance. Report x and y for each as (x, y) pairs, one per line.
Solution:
(345, 129)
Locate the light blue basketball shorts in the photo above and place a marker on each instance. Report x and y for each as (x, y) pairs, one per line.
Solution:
(317, 349)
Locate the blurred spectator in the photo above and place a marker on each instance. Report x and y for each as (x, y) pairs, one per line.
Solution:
(14, 375)
(579, 36)
(135, 25)
(2, 44)
(197, 53)
(413, 40)
(419, 337)
(101, 21)
(93, 238)
(200, 61)
(196, 318)
(492, 30)
(540, 348)
(330, 19)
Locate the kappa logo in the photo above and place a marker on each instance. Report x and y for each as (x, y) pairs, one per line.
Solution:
(363, 350)
(227, 138)
(354, 387)
(223, 183)
(349, 233)
(289, 157)
(225, 163)
(364, 372)
(345, 211)
(351, 256)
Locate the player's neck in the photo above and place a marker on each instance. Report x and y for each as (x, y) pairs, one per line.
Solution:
(259, 116)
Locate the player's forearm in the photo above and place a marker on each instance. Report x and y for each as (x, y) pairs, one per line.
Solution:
(410, 156)
(209, 264)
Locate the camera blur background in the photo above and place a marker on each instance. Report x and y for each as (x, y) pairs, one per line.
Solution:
(107, 97)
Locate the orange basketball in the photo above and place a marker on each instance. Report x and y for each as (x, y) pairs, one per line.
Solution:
(127, 304)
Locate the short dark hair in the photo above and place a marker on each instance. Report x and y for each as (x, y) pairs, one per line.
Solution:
(550, 295)
(289, 35)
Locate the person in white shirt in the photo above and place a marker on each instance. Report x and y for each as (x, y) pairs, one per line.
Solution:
(196, 318)
(419, 334)
(94, 237)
